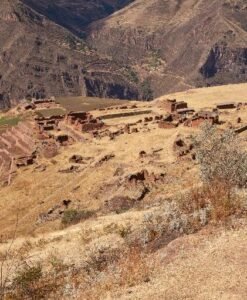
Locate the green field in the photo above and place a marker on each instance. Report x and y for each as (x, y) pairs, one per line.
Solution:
(7, 122)
(46, 113)
(87, 103)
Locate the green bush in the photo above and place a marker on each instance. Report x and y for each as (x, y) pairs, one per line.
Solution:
(147, 92)
(220, 156)
(27, 282)
(73, 216)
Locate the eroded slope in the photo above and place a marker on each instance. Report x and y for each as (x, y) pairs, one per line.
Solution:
(39, 58)
(176, 44)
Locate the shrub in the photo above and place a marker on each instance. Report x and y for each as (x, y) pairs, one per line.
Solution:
(224, 201)
(147, 92)
(133, 268)
(220, 156)
(217, 199)
(27, 282)
(129, 269)
(119, 204)
(73, 216)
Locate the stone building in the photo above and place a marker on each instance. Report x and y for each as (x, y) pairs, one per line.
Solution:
(83, 121)
(173, 106)
(226, 105)
(200, 117)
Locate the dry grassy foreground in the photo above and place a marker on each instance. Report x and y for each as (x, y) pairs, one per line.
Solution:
(181, 239)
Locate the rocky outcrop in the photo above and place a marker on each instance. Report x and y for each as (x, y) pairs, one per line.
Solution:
(222, 62)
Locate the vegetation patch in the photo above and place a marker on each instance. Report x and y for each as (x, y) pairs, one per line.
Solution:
(73, 216)
(131, 74)
(219, 158)
(87, 103)
(46, 113)
(9, 121)
(147, 92)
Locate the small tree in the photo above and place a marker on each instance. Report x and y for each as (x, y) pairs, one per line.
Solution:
(221, 156)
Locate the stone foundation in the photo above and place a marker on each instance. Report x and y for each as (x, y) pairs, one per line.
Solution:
(17, 149)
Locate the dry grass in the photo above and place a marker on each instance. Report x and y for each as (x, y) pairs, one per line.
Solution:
(87, 103)
(120, 267)
(209, 97)
(32, 282)
(129, 270)
(218, 197)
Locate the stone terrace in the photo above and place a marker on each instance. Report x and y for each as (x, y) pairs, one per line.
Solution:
(17, 148)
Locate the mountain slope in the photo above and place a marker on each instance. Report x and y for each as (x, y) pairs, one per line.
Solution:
(177, 44)
(39, 58)
(76, 14)
(144, 50)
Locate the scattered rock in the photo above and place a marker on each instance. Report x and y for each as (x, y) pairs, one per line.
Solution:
(104, 159)
(76, 159)
(66, 203)
(182, 146)
(142, 154)
(40, 168)
(119, 172)
(49, 149)
(119, 204)
(71, 169)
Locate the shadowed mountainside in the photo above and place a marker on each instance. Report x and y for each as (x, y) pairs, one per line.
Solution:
(39, 58)
(75, 15)
(144, 50)
(177, 44)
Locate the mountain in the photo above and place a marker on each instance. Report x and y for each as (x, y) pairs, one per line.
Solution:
(77, 14)
(177, 44)
(126, 49)
(40, 58)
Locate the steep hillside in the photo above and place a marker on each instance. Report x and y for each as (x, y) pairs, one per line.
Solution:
(177, 44)
(39, 58)
(143, 49)
(76, 14)
(116, 202)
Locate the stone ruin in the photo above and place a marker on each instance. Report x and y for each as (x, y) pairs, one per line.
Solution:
(183, 146)
(226, 105)
(171, 121)
(83, 121)
(127, 191)
(200, 117)
(44, 124)
(64, 130)
(17, 149)
(45, 103)
(172, 105)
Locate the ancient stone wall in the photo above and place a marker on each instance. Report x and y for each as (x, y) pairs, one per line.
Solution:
(17, 148)
(83, 121)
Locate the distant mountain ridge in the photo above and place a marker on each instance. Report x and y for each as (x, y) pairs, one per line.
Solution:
(177, 44)
(75, 15)
(39, 58)
(130, 49)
